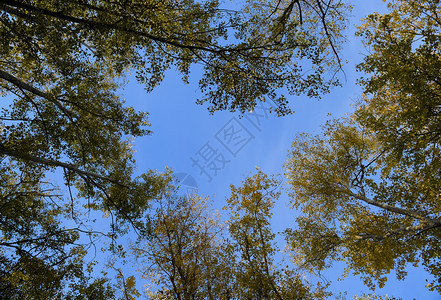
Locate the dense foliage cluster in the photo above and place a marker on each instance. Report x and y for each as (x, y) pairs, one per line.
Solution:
(369, 185)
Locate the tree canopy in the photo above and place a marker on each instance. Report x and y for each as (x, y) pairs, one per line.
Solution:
(247, 54)
(192, 255)
(368, 186)
(62, 63)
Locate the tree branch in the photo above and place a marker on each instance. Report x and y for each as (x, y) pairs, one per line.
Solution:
(424, 226)
(394, 209)
(98, 25)
(25, 86)
(53, 163)
(328, 34)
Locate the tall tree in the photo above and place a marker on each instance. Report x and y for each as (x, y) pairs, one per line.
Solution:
(369, 185)
(191, 257)
(257, 274)
(183, 257)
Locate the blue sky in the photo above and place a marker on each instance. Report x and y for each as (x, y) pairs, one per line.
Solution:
(184, 130)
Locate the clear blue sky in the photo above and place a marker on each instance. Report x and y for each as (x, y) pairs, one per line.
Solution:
(185, 132)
